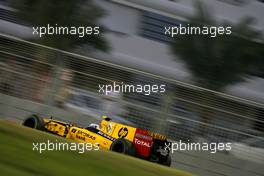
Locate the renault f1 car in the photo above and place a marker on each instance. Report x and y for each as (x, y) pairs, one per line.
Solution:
(110, 135)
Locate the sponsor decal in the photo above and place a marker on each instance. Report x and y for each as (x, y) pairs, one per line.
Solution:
(143, 143)
(83, 134)
(142, 136)
(106, 136)
(157, 136)
(123, 132)
(80, 137)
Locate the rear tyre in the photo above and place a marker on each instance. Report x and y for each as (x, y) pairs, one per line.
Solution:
(167, 161)
(123, 146)
(34, 121)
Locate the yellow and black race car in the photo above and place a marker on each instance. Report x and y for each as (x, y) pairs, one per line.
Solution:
(111, 136)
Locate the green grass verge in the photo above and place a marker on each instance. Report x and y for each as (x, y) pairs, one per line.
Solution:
(18, 158)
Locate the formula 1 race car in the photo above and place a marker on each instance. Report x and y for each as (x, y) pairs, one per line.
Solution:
(110, 135)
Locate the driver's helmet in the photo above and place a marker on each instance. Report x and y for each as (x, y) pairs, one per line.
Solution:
(93, 125)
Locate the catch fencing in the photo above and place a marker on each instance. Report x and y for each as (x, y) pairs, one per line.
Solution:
(35, 75)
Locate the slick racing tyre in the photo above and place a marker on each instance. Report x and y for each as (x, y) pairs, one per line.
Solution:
(123, 146)
(34, 121)
(166, 161)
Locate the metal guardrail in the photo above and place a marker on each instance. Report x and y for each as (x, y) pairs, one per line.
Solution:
(185, 112)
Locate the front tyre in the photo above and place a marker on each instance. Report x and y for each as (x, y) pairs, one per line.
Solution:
(34, 121)
(123, 146)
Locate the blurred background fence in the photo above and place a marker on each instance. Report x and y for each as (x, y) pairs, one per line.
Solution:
(38, 79)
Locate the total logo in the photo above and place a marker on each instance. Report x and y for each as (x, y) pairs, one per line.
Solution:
(143, 143)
